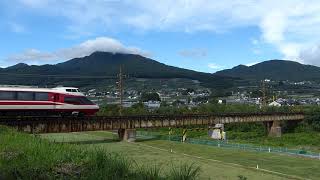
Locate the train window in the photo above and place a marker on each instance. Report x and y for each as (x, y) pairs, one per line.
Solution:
(72, 100)
(77, 100)
(41, 96)
(7, 95)
(84, 100)
(25, 96)
(72, 90)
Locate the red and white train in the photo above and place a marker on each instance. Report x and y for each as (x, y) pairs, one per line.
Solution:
(22, 100)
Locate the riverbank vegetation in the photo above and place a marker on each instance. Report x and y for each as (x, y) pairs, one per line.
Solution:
(24, 156)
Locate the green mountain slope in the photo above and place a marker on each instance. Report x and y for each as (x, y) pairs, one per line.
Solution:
(274, 69)
(103, 64)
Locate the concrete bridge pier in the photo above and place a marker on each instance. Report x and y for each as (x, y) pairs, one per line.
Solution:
(127, 134)
(274, 128)
(217, 132)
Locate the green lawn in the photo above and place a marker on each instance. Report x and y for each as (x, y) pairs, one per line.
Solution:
(309, 141)
(229, 165)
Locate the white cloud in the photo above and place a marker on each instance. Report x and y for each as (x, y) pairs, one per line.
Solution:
(193, 53)
(86, 48)
(32, 55)
(312, 54)
(290, 26)
(273, 26)
(291, 50)
(214, 66)
(99, 44)
(252, 63)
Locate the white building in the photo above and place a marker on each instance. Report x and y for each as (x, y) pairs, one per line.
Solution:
(274, 103)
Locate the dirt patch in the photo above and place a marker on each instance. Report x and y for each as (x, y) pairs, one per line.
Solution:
(10, 155)
(68, 169)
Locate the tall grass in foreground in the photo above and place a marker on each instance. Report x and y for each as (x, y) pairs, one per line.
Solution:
(23, 156)
(185, 172)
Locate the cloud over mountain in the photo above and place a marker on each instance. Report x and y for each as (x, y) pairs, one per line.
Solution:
(104, 44)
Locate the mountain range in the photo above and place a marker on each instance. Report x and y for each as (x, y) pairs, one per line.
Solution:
(98, 66)
(274, 69)
(101, 65)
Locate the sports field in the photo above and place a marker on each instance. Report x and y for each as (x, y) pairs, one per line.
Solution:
(215, 162)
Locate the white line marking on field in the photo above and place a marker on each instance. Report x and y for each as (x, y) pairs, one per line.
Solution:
(230, 164)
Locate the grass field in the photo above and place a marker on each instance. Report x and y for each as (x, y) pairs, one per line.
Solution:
(303, 140)
(309, 141)
(215, 163)
(25, 156)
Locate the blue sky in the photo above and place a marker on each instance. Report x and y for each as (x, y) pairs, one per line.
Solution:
(203, 35)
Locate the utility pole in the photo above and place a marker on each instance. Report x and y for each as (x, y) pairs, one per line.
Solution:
(120, 86)
(263, 90)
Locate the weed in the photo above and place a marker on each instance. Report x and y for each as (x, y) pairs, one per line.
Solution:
(185, 172)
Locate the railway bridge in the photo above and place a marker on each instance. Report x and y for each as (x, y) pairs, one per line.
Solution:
(126, 125)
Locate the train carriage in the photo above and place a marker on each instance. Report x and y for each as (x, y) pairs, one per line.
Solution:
(44, 101)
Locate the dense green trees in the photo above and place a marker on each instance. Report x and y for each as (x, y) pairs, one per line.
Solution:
(208, 108)
(312, 121)
(150, 96)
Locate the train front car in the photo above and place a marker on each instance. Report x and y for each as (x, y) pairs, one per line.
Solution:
(73, 102)
(22, 100)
